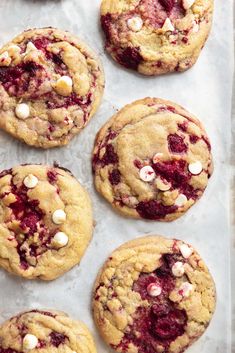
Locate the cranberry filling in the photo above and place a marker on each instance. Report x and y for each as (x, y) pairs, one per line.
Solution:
(11, 74)
(176, 144)
(56, 101)
(109, 157)
(185, 40)
(52, 176)
(171, 109)
(29, 216)
(8, 350)
(109, 137)
(97, 296)
(154, 210)
(41, 343)
(167, 4)
(30, 221)
(106, 24)
(175, 172)
(51, 128)
(170, 326)
(183, 126)
(113, 156)
(57, 338)
(17, 79)
(162, 277)
(168, 261)
(161, 322)
(25, 210)
(41, 43)
(193, 139)
(115, 177)
(190, 192)
(56, 58)
(130, 58)
(138, 164)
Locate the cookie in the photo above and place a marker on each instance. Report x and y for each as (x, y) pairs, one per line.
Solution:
(153, 295)
(152, 160)
(51, 85)
(45, 220)
(156, 36)
(45, 331)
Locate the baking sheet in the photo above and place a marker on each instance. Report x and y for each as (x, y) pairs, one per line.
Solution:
(206, 91)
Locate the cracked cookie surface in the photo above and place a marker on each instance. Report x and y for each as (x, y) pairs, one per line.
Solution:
(45, 222)
(152, 160)
(153, 295)
(156, 36)
(45, 331)
(51, 84)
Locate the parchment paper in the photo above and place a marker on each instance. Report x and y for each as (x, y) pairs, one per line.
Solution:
(206, 91)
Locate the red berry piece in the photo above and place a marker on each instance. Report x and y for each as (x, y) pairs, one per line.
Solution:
(167, 4)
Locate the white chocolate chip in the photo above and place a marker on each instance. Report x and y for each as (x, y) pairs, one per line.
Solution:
(186, 289)
(154, 290)
(30, 181)
(178, 269)
(147, 173)
(168, 26)
(60, 240)
(181, 200)
(157, 157)
(30, 47)
(162, 185)
(186, 251)
(195, 168)
(188, 3)
(22, 111)
(30, 341)
(64, 86)
(5, 59)
(59, 217)
(135, 24)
